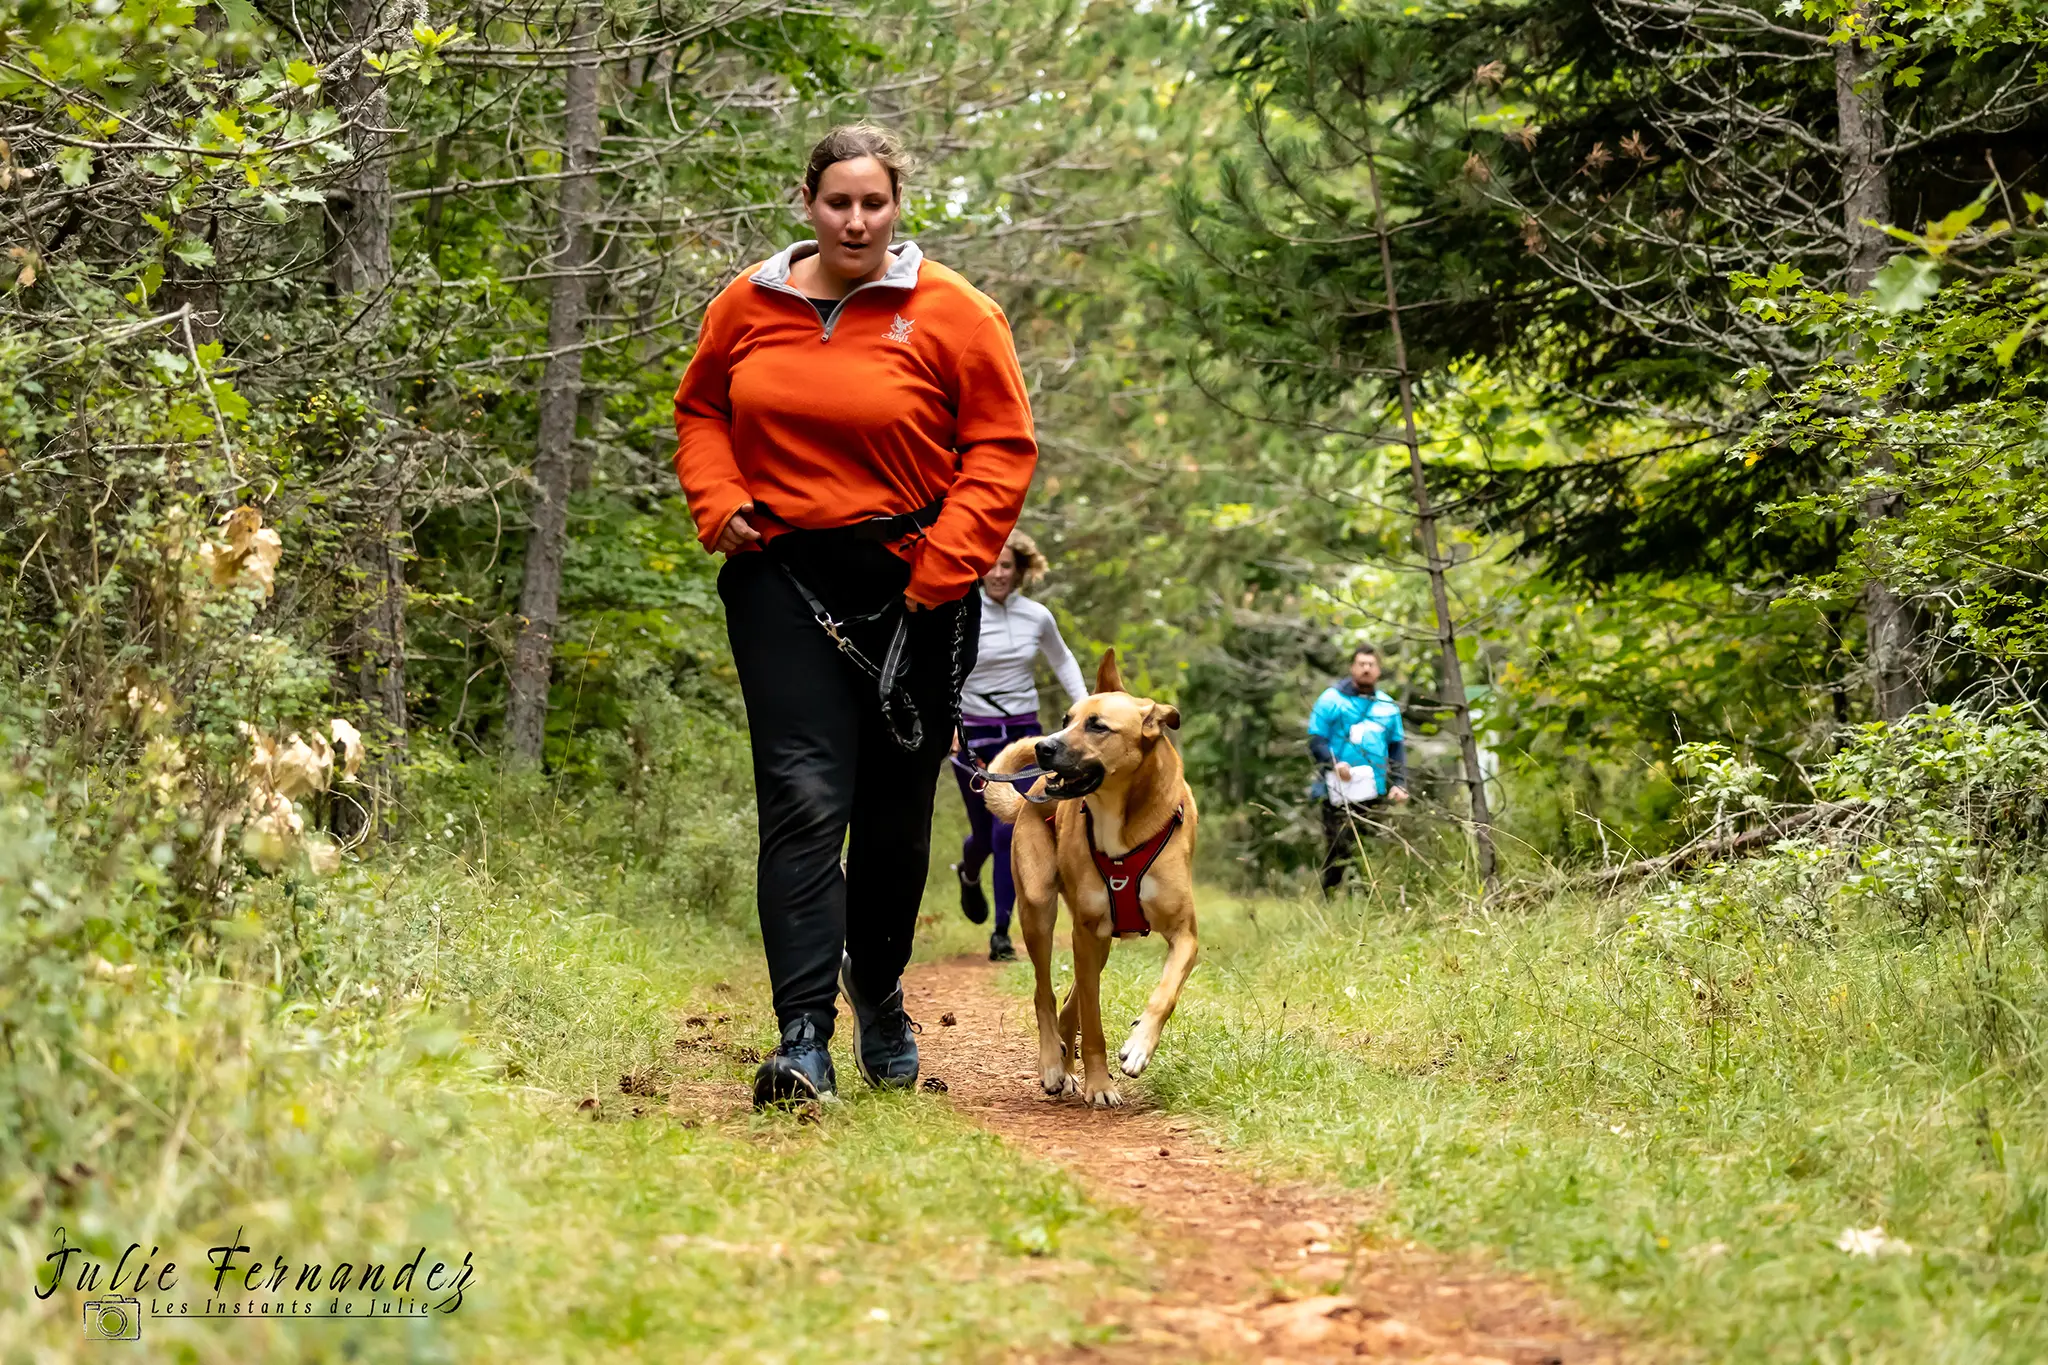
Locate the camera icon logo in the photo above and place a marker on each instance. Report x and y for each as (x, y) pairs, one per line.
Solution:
(113, 1320)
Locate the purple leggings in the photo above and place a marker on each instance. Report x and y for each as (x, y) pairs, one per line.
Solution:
(987, 836)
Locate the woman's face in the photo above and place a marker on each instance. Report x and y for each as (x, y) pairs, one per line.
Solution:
(1001, 581)
(854, 212)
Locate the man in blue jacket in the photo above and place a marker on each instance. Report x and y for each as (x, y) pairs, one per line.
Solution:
(1354, 735)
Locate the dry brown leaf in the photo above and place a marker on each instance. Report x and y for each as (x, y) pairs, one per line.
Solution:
(1476, 169)
(1491, 73)
(216, 564)
(250, 555)
(302, 767)
(1636, 149)
(1598, 157)
(1526, 135)
(262, 754)
(260, 565)
(27, 276)
(241, 526)
(273, 830)
(348, 746)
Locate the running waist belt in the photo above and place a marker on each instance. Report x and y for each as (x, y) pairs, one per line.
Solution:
(882, 528)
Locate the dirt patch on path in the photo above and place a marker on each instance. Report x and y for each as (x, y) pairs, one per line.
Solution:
(1247, 1271)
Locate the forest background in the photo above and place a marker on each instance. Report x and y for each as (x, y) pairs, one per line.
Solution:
(1658, 385)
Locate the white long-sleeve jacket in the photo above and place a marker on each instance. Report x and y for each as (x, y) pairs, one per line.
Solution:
(1014, 632)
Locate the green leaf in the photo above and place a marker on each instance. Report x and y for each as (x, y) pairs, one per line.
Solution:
(1953, 224)
(1783, 276)
(241, 13)
(302, 74)
(193, 252)
(1905, 284)
(233, 406)
(74, 164)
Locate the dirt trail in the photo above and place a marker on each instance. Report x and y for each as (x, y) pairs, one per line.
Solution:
(1247, 1271)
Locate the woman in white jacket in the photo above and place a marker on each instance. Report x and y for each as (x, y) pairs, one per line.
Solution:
(998, 704)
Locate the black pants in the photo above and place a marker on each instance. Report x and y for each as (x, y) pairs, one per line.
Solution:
(1343, 828)
(828, 775)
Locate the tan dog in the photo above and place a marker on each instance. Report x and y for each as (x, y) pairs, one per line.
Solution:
(1115, 773)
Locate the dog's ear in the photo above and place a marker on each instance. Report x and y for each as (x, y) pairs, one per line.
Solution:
(1160, 716)
(1107, 678)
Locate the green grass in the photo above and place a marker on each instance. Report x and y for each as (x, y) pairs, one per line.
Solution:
(467, 1018)
(1675, 1136)
(473, 1044)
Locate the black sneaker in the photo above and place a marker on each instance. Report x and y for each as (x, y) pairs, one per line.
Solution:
(973, 904)
(800, 1068)
(883, 1049)
(999, 949)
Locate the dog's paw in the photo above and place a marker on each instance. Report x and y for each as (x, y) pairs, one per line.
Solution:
(1134, 1054)
(1105, 1098)
(1054, 1080)
(1073, 1086)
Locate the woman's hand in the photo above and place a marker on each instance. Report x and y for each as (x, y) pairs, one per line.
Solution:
(737, 533)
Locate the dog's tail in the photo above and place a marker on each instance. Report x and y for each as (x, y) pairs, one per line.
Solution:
(1004, 801)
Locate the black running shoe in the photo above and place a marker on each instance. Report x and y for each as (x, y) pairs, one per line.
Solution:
(800, 1068)
(999, 949)
(882, 1046)
(973, 904)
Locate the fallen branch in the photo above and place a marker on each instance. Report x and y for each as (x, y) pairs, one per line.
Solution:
(1700, 850)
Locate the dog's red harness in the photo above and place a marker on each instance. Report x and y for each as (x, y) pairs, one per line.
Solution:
(1122, 876)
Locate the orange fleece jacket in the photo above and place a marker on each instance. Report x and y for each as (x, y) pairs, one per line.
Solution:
(915, 392)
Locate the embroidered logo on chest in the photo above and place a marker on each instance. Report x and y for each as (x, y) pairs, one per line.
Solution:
(899, 328)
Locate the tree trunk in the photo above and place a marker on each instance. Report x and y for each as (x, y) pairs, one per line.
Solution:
(360, 218)
(561, 388)
(1866, 206)
(1453, 673)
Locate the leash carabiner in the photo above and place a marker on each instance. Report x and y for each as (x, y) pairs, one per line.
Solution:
(832, 629)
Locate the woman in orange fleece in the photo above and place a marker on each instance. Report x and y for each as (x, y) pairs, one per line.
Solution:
(857, 441)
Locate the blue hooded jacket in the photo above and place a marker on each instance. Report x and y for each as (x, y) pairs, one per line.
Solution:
(1353, 726)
